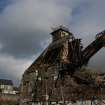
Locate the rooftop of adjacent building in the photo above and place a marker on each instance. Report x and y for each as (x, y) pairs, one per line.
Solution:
(6, 82)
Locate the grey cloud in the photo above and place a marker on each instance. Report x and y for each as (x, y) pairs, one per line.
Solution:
(12, 68)
(23, 45)
(98, 61)
(90, 21)
(26, 24)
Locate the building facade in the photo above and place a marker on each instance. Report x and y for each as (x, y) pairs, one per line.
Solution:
(7, 87)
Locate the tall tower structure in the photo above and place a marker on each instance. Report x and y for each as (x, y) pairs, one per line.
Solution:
(62, 33)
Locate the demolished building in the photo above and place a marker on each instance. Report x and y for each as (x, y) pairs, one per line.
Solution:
(56, 78)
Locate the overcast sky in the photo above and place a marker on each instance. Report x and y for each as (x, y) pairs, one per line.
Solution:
(25, 26)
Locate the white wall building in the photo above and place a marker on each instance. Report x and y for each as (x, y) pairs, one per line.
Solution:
(7, 87)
